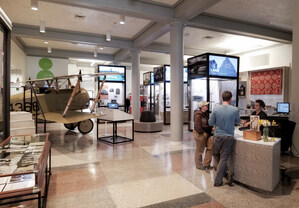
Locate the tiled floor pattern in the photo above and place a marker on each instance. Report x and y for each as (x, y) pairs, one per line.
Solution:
(152, 171)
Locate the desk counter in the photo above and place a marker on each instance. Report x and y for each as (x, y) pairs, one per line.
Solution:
(256, 163)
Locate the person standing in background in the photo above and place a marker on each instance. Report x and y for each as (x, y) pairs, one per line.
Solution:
(224, 118)
(202, 135)
(127, 105)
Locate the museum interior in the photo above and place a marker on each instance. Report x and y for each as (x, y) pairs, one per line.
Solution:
(99, 103)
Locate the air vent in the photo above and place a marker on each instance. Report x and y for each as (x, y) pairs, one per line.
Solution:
(79, 17)
(260, 60)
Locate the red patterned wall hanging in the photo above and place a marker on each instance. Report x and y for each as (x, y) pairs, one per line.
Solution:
(266, 82)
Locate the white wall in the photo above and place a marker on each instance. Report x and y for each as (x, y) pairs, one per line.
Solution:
(18, 65)
(280, 55)
(59, 67)
(277, 56)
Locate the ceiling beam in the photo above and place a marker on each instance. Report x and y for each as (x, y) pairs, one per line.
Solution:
(19, 43)
(132, 8)
(151, 34)
(122, 54)
(165, 48)
(69, 36)
(35, 51)
(188, 9)
(220, 24)
(185, 10)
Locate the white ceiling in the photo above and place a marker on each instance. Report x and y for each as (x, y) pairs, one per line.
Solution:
(102, 16)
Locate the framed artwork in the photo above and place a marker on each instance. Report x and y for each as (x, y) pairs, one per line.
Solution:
(254, 123)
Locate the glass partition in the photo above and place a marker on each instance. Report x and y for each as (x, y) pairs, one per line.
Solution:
(217, 87)
(198, 93)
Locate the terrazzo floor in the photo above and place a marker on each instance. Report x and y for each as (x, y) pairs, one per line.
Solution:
(151, 171)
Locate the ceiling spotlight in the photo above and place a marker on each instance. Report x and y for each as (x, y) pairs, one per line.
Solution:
(34, 5)
(101, 48)
(46, 42)
(108, 36)
(122, 19)
(95, 54)
(49, 49)
(42, 27)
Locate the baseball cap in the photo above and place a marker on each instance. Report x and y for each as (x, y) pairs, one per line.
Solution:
(203, 103)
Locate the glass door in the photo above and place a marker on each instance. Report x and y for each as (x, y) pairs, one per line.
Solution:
(1, 80)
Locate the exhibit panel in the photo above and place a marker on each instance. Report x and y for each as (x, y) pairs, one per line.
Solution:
(148, 92)
(163, 98)
(114, 89)
(210, 75)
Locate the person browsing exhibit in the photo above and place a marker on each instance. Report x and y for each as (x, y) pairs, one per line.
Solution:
(224, 118)
(202, 135)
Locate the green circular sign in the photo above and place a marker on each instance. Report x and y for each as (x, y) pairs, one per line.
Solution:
(45, 63)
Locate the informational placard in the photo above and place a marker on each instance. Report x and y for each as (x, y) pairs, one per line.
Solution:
(159, 74)
(114, 69)
(146, 78)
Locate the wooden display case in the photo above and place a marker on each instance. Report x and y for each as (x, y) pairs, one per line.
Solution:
(25, 171)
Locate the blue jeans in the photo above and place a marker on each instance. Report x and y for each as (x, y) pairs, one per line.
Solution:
(222, 149)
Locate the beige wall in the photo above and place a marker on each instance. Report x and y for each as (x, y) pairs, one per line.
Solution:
(18, 65)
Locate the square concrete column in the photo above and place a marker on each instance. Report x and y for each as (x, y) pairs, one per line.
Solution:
(135, 97)
(177, 80)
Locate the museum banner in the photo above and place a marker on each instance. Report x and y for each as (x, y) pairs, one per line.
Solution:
(267, 82)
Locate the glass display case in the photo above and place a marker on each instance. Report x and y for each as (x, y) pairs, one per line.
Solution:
(25, 163)
(114, 89)
(209, 76)
(162, 93)
(148, 92)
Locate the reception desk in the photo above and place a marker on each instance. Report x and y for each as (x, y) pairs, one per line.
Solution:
(256, 163)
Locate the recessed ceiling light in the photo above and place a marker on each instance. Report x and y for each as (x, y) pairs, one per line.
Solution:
(108, 36)
(122, 19)
(49, 49)
(46, 42)
(42, 27)
(34, 5)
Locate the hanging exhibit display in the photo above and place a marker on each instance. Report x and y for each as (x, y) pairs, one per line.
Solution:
(209, 76)
(148, 92)
(162, 93)
(114, 89)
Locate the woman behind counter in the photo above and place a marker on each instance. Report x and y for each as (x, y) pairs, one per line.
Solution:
(258, 107)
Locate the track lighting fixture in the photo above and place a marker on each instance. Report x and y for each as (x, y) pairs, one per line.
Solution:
(42, 27)
(108, 36)
(101, 48)
(122, 19)
(34, 5)
(49, 49)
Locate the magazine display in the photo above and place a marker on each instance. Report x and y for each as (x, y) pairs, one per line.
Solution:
(20, 154)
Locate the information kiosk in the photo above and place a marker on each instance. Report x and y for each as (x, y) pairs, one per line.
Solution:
(209, 76)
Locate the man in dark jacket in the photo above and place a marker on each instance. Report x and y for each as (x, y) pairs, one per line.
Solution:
(202, 135)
